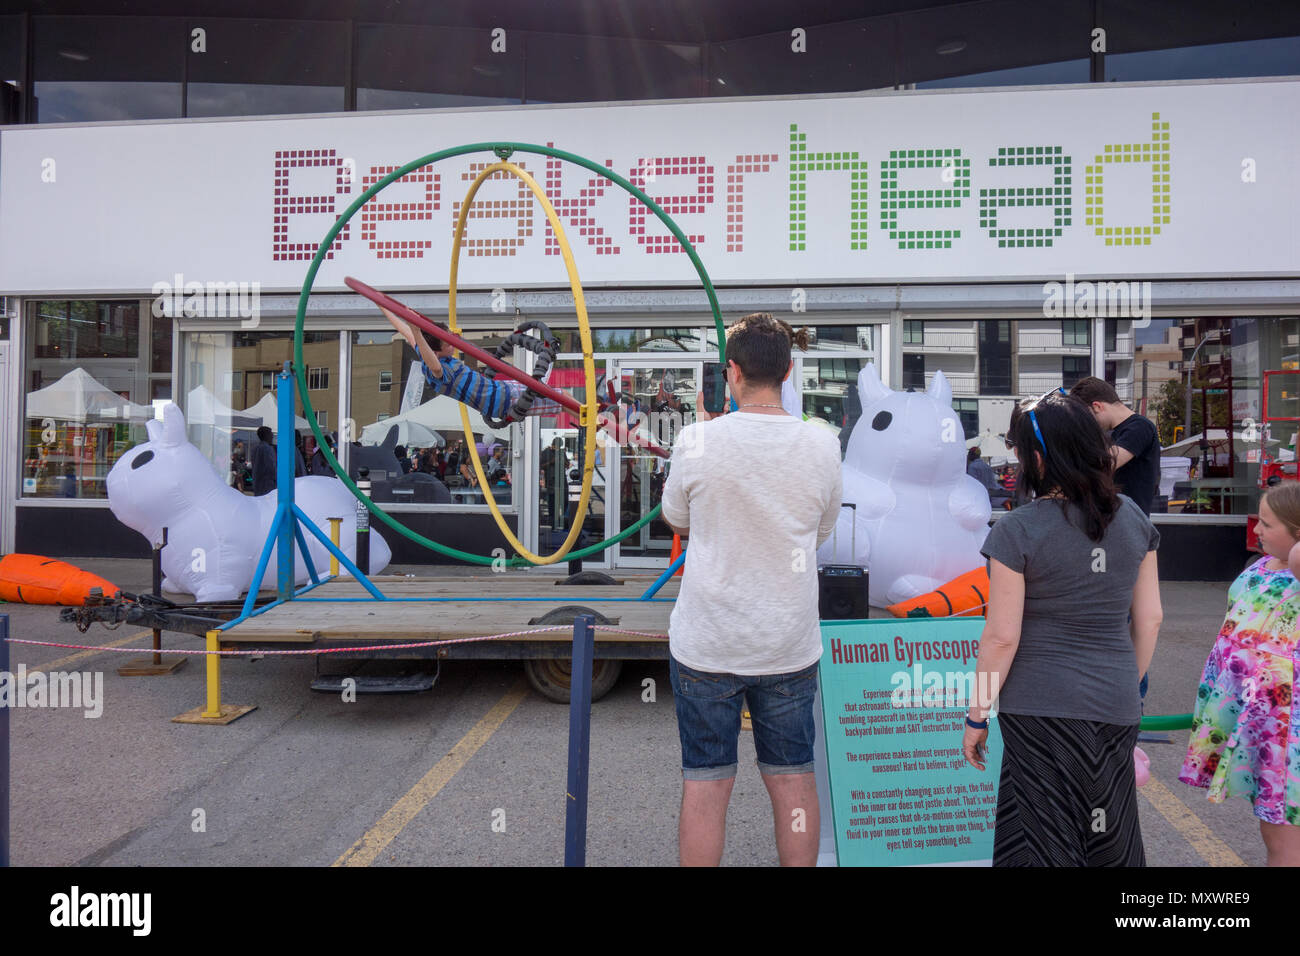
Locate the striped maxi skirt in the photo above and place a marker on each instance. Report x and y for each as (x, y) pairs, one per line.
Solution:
(1067, 795)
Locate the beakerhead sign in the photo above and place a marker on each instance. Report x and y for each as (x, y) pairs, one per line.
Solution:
(1097, 181)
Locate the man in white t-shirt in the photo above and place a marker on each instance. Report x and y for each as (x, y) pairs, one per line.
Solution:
(746, 626)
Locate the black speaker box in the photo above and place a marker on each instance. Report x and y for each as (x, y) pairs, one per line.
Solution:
(842, 593)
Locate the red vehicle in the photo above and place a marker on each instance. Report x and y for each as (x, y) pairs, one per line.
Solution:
(1273, 471)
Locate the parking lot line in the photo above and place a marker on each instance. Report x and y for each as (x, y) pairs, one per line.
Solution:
(1207, 846)
(82, 655)
(366, 850)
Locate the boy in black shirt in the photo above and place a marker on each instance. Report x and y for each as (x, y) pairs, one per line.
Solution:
(1135, 445)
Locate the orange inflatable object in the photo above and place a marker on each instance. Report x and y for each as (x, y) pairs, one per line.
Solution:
(963, 596)
(33, 579)
(675, 554)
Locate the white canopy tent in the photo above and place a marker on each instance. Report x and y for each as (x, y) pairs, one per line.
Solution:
(268, 412)
(441, 414)
(204, 408)
(79, 397)
(1240, 442)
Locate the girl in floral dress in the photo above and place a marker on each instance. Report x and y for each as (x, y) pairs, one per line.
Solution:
(1245, 734)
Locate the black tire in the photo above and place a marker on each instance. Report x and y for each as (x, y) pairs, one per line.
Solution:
(551, 677)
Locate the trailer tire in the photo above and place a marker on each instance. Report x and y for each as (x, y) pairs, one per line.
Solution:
(552, 677)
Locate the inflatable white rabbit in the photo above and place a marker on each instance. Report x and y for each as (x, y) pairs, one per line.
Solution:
(215, 534)
(921, 520)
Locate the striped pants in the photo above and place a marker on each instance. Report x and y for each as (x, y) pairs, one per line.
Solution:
(1067, 795)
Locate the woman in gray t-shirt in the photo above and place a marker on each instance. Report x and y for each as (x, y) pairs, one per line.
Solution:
(1074, 610)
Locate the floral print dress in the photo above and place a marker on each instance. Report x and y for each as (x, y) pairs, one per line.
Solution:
(1245, 735)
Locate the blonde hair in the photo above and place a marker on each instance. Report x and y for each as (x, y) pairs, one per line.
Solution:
(1284, 501)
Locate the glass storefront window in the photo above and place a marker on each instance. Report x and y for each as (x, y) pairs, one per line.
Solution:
(565, 68)
(1275, 56)
(229, 390)
(632, 340)
(86, 394)
(392, 406)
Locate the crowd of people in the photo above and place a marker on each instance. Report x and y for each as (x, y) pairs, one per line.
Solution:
(1073, 616)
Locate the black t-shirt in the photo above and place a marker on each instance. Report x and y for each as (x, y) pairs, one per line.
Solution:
(1141, 476)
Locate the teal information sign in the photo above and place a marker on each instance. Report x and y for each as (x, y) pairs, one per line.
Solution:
(895, 694)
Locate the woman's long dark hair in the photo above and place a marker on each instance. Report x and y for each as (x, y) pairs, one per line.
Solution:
(1077, 461)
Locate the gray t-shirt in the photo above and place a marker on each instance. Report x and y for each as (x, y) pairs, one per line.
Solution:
(1075, 657)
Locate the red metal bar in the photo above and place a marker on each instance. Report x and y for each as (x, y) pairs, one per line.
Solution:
(487, 358)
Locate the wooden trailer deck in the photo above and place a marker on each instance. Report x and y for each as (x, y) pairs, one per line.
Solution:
(341, 610)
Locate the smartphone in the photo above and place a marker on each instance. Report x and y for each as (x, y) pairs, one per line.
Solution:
(715, 388)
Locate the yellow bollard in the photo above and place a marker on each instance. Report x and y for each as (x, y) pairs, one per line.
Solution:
(335, 525)
(213, 710)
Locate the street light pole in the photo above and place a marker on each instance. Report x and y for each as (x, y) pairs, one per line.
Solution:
(1191, 364)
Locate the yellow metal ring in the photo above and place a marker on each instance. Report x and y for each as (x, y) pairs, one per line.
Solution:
(588, 416)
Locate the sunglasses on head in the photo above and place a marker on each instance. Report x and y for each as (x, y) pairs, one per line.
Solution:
(1028, 408)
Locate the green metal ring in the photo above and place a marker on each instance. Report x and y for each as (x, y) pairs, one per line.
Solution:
(503, 150)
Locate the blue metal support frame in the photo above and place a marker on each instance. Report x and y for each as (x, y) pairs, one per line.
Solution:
(289, 521)
(663, 578)
(575, 816)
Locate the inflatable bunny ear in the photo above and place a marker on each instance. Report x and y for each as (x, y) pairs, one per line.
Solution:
(940, 389)
(870, 388)
(155, 429)
(173, 426)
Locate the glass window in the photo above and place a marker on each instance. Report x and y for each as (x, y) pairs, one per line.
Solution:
(392, 405)
(635, 340)
(86, 395)
(230, 389)
(967, 44)
(11, 66)
(107, 68)
(564, 69)
(913, 372)
(1073, 368)
(318, 378)
(995, 357)
(913, 332)
(260, 67)
(968, 409)
(421, 67)
(854, 55)
(1275, 56)
(1076, 332)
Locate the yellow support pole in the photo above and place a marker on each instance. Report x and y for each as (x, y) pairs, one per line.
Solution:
(335, 525)
(214, 712)
(213, 709)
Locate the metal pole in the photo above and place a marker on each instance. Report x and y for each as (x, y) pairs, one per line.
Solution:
(4, 747)
(575, 818)
(286, 454)
(157, 592)
(575, 564)
(362, 552)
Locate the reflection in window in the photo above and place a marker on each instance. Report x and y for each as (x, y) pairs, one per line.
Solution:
(563, 68)
(107, 68)
(86, 396)
(261, 67)
(1275, 56)
(421, 67)
(392, 405)
(231, 389)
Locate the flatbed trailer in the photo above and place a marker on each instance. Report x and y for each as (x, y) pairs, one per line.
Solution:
(455, 618)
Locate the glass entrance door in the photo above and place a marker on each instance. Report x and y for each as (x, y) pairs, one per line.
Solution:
(660, 399)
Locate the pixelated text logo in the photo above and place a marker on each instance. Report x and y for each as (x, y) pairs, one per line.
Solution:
(77, 909)
(79, 690)
(1022, 195)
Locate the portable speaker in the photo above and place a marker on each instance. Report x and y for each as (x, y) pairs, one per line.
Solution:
(842, 589)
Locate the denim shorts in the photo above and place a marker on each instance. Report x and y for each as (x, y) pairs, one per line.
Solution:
(708, 720)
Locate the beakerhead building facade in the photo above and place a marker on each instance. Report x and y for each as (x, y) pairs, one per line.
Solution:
(1013, 200)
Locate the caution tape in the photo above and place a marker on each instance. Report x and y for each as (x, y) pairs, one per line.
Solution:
(329, 650)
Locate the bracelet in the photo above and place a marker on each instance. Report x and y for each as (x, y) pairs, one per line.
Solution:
(982, 725)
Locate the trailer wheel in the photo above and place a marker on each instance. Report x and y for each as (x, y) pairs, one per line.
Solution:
(552, 677)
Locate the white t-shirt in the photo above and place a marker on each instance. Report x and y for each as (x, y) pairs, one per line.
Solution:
(759, 493)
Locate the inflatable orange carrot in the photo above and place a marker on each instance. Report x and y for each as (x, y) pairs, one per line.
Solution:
(963, 596)
(33, 579)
